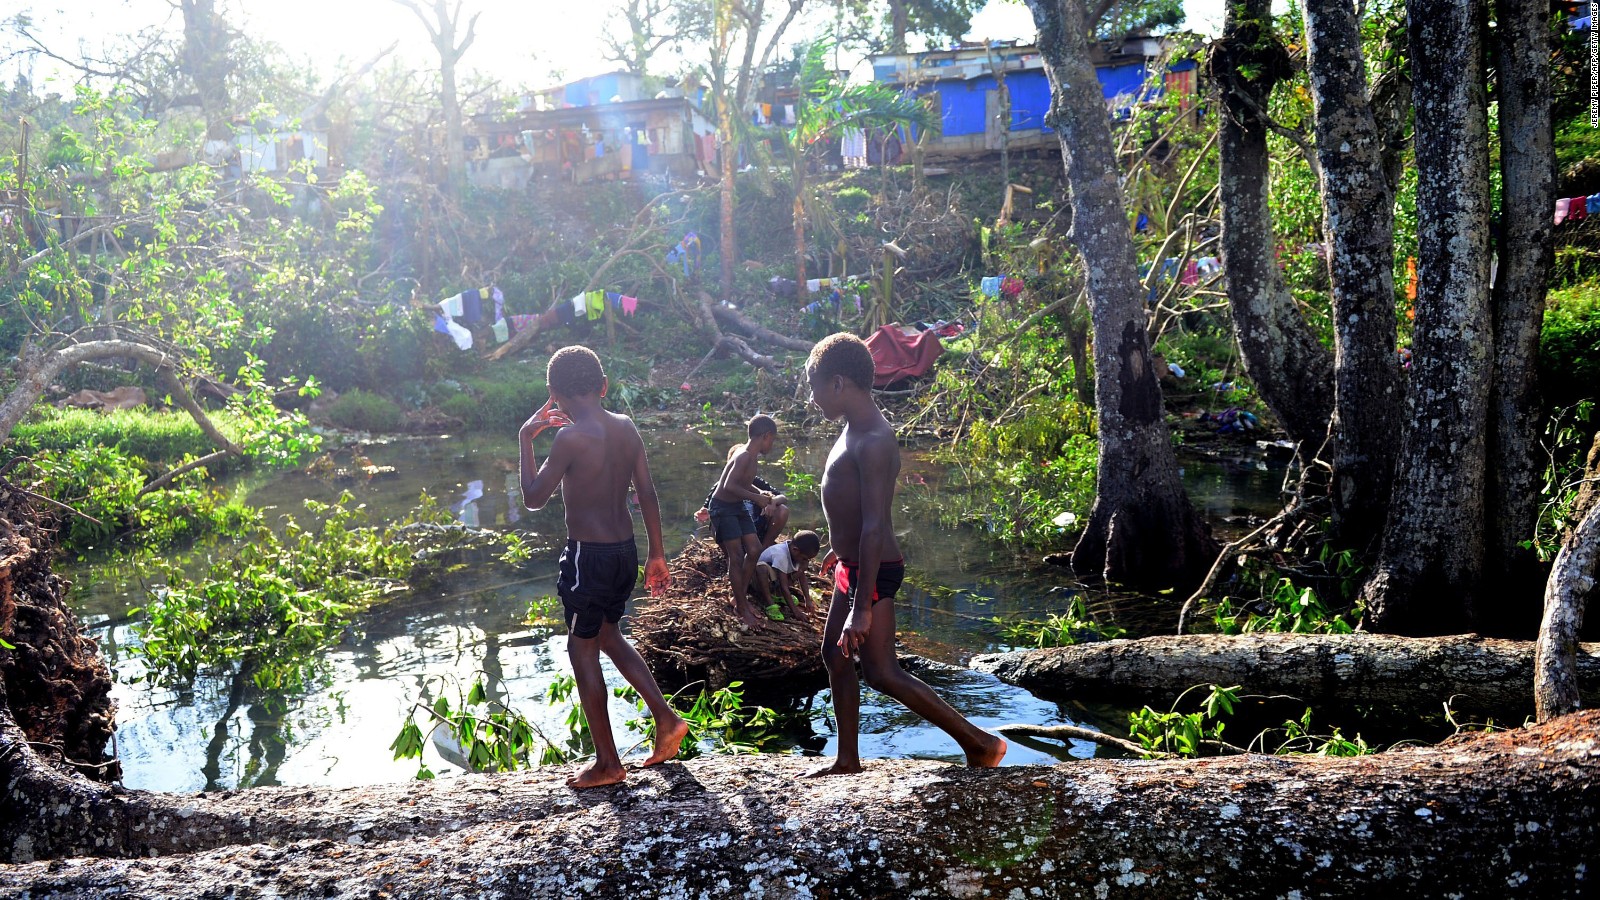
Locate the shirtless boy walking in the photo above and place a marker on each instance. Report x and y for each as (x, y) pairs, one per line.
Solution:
(731, 523)
(595, 457)
(857, 490)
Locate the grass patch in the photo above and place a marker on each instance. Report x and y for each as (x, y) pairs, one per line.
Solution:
(364, 411)
(156, 437)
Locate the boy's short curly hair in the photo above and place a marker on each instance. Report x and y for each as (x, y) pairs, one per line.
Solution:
(842, 354)
(807, 542)
(575, 372)
(760, 424)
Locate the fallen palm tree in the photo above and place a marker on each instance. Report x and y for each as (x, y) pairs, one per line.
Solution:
(692, 634)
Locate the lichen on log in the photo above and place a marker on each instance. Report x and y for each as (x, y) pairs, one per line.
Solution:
(1507, 814)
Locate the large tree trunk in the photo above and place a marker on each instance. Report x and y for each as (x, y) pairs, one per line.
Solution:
(1358, 225)
(1428, 577)
(1527, 169)
(1281, 355)
(1558, 666)
(1412, 675)
(728, 246)
(1141, 529)
(1415, 822)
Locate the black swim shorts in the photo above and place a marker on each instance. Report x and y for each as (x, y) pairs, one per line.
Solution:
(595, 584)
(730, 521)
(891, 574)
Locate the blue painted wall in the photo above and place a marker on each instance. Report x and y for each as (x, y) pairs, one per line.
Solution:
(961, 103)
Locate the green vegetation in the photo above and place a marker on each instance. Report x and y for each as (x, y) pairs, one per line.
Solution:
(157, 437)
(1199, 732)
(1075, 626)
(494, 737)
(267, 609)
(359, 410)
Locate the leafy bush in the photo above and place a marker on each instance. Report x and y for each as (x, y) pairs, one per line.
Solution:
(273, 604)
(363, 411)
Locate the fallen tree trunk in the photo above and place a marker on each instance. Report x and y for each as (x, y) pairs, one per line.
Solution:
(1475, 675)
(758, 331)
(1421, 821)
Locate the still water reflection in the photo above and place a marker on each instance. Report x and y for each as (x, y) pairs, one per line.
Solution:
(215, 735)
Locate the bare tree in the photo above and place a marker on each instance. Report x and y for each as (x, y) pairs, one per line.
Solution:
(1142, 528)
(1282, 356)
(1358, 221)
(638, 29)
(745, 35)
(443, 22)
(1430, 569)
(1527, 168)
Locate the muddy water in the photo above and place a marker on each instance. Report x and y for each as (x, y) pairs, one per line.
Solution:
(338, 733)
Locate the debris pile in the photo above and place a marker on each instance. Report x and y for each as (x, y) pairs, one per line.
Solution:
(692, 634)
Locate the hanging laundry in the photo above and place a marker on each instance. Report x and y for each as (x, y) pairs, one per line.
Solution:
(613, 299)
(441, 324)
(1143, 224)
(580, 306)
(788, 114)
(1594, 204)
(1578, 209)
(451, 306)
(1561, 210)
(990, 286)
(766, 112)
(462, 336)
(520, 322)
(1011, 286)
(471, 307)
(502, 331)
(1411, 278)
(630, 305)
(1191, 274)
(499, 303)
(596, 302)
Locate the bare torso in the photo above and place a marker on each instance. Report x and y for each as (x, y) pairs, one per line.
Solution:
(841, 490)
(740, 471)
(595, 489)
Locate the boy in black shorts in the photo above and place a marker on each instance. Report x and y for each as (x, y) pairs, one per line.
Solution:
(732, 525)
(596, 456)
(857, 490)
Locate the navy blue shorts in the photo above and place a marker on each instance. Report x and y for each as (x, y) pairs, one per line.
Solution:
(730, 521)
(595, 584)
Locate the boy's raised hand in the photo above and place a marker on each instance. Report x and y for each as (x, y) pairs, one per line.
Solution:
(656, 576)
(546, 417)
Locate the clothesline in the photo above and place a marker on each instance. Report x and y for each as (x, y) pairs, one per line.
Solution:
(1576, 209)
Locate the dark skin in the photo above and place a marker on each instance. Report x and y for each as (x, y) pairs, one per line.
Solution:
(857, 489)
(596, 457)
(737, 484)
(792, 592)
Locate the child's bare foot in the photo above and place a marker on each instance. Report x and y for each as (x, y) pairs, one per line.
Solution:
(834, 768)
(593, 775)
(668, 739)
(988, 755)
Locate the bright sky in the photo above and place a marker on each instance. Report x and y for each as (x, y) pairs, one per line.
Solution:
(522, 44)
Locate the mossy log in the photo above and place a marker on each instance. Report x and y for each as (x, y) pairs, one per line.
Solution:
(1508, 814)
(1383, 672)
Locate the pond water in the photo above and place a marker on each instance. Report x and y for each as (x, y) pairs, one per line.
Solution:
(338, 733)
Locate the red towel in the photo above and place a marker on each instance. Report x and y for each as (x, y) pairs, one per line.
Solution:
(896, 355)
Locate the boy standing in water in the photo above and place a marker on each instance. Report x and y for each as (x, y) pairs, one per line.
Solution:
(732, 524)
(857, 490)
(595, 457)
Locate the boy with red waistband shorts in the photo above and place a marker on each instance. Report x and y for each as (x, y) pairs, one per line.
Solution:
(595, 458)
(857, 489)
